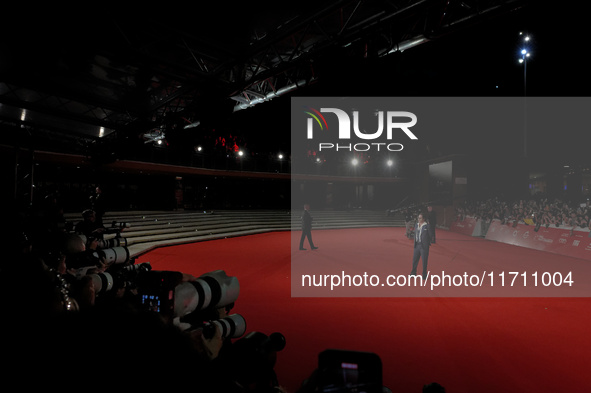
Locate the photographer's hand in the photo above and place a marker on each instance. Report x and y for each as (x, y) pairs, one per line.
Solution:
(103, 265)
(209, 348)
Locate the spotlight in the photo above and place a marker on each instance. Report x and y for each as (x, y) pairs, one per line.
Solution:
(354, 161)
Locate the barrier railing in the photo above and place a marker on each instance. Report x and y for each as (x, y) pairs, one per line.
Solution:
(568, 241)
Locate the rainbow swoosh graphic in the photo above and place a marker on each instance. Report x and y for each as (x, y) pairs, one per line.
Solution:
(316, 116)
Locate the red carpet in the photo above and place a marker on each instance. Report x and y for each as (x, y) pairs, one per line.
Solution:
(484, 344)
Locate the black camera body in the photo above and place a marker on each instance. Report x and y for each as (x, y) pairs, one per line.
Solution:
(193, 304)
(156, 292)
(122, 276)
(250, 361)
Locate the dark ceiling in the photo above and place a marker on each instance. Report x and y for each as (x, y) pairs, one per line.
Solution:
(74, 81)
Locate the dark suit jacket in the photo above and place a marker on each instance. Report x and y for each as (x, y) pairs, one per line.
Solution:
(432, 218)
(425, 238)
(306, 220)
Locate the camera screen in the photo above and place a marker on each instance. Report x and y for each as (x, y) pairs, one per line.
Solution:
(350, 371)
(151, 303)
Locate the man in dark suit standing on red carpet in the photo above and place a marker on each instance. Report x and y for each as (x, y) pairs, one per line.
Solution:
(421, 246)
(432, 221)
(307, 228)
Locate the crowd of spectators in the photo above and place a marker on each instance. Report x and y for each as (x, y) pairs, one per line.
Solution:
(536, 211)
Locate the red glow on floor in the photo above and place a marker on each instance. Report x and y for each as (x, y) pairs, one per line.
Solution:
(467, 344)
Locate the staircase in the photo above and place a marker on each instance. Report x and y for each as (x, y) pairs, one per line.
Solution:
(151, 229)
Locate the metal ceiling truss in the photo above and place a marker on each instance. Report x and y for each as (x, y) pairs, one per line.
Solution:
(386, 27)
(283, 59)
(141, 75)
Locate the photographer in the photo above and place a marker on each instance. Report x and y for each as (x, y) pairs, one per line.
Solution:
(90, 226)
(93, 230)
(74, 262)
(79, 254)
(97, 203)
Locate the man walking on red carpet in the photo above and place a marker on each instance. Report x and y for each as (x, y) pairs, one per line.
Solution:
(421, 246)
(307, 228)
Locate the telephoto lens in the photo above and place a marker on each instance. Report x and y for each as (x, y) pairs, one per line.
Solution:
(120, 225)
(113, 255)
(118, 278)
(114, 242)
(232, 326)
(106, 243)
(211, 290)
(102, 282)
